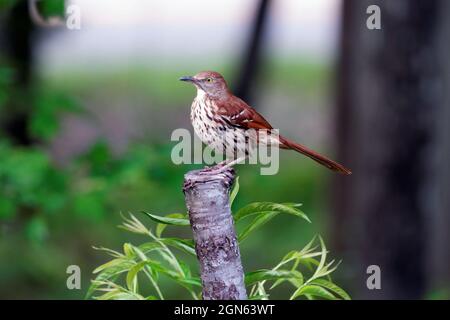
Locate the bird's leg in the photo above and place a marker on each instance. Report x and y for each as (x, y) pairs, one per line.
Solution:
(227, 164)
(221, 164)
(224, 165)
(215, 167)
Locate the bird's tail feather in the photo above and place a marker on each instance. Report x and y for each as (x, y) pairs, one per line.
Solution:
(330, 164)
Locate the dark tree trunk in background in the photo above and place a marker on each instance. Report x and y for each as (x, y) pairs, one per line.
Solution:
(391, 100)
(439, 224)
(16, 44)
(252, 55)
(216, 245)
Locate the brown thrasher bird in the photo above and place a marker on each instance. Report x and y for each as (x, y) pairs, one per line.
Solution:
(223, 122)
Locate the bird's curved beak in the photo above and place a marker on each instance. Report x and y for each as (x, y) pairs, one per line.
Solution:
(187, 79)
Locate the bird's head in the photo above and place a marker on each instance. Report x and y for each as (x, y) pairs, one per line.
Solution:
(210, 83)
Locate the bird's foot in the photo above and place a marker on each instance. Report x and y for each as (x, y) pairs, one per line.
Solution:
(216, 169)
(216, 166)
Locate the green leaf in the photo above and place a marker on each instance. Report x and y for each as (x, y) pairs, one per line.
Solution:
(168, 221)
(132, 224)
(161, 226)
(293, 204)
(313, 290)
(331, 287)
(149, 246)
(127, 296)
(185, 282)
(152, 266)
(186, 269)
(323, 258)
(110, 295)
(235, 191)
(110, 264)
(328, 269)
(265, 274)
(296, 282)
(128, 250)
(309, 263)
(152, 273)
(259, 297)
(132, 276)
(109, 272)
(259, 221)
(262, 207)
(118, 293)
(194, 281)
(166, 264)
(182, 244)
(109, 251)
(291, 255)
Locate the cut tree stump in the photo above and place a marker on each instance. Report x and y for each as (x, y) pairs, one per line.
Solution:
(207, 200)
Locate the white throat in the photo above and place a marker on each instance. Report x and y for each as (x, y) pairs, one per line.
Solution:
(200, 93)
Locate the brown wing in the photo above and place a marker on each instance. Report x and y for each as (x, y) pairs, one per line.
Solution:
(237, 113)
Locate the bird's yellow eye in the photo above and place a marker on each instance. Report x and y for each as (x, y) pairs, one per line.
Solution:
(209, 80)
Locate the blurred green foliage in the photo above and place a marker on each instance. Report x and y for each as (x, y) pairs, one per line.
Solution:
(44, 114)
(50, 8)
(46, 7)
(29, 182)
(310, 78)
(6, 79)
(6, 4)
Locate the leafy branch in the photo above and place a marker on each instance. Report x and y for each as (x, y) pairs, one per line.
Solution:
(307, 271)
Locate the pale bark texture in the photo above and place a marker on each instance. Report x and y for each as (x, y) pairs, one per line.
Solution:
(207, 200)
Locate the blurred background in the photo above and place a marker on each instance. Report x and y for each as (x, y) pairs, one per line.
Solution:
(86, 117)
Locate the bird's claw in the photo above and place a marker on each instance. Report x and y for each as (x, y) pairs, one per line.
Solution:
(218, 168)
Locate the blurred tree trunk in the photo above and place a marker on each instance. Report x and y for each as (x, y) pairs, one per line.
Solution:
(252, 55)
(439, 226)
(391, 97)
(16, 45)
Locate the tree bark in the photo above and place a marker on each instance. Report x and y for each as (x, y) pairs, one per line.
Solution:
(207, 200)
(17, 34)
(252, 56)
(390, 99)
(439, 224)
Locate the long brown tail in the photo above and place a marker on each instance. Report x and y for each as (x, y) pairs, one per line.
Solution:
(330, 164)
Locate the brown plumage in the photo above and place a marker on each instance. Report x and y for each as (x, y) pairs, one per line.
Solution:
(222, 121)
